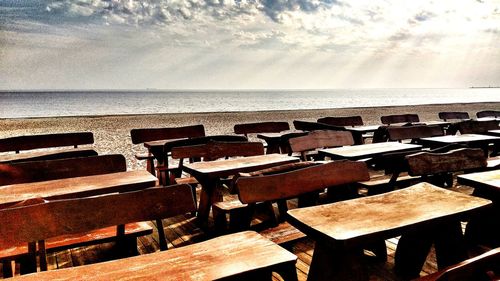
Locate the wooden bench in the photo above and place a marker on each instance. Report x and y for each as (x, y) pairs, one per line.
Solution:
(399, 118)
(260, 127)
(342, 121)
(451, 115)
(143, 135)
(488, 113)
(476, 127)
(304, 183)
(26, 172)
(240, 256)
(319, 139)
(21, 144)
(314, 126)
(483, 267)
(413, 133)
(40, 221)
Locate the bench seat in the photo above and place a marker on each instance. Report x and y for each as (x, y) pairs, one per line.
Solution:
(47, 155)
(282, 233)
(103, 235)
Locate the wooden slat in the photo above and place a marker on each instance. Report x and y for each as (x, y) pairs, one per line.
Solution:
(295, 183)
(413, 132)
(447, 115)
(428, 163)
(47, 155)
(63, 217)
(45, 141)
(321, 139)
(215, 150)
(399, 118)
(152, 134)
(342, 121)
(312, 126)
(488, 113)
(476, 127)
(261, 127)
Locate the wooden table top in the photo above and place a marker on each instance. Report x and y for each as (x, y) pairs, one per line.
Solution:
(222, 168)
(352, 221)
(363, 129)
(464, 138)
(489, 179)
(368, 150)
(494, 132)
(77, 187)
(17, 157)
(210, 260)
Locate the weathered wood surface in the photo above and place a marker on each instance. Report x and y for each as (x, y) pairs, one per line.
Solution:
(225, 257)
(216, 150)
(482, 267)
(399, 118)
(76, 187)
(488, 113)
(428, 163)
(312, 126)
(278, 142)
(473, 139)
(367, 150)
(71, 216)
(45, 141)
(151, 134)
(350, 222)
(320, 139)
(228, 167)
(342, 121)
(413, 133)
(261, 127)
(489, 180)
(102, 235)
(298, 182)
(47, 155)
(447, 115)
(25, 172)
(476, 127)
(363, 129)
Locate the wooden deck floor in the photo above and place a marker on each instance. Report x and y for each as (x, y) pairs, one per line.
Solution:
(181, 231)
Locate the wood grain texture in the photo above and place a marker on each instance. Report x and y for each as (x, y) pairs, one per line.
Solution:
(320, 139)
(428, 163)
(382, 216)
(399, 133)
(312, 126)
(399, 118)
(168, 146)
(151, 134)
(45, 141)
(367, 150)
(72, 216)
(476, 127)
(463, 138)
(342, 121)
(216, 150)
(76, 187)
(489, 180)
(450, 115)
(47, 155)
(216, 259)
(261, 127)
(25, 172)
(298, 182)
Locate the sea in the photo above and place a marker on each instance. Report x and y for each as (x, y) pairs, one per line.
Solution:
(26, 104)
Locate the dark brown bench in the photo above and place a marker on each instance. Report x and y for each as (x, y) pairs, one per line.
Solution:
(485, 267)
(453, 115)
(399, 118)
(413, 133)
(260, 127)
(319, 139)
(476, 127)
(342, 121)
(26, 172)
(23, 146)
(314, 126)
(488, 113)
(143, 135)
(37, 222)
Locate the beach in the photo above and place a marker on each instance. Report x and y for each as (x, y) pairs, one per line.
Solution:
(112, 133)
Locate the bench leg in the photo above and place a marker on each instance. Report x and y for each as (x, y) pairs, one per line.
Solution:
(28, 262)
(161, 235)
(411, 253)
(7, 269)
(329, 264)
(288, 272)
(450, 244)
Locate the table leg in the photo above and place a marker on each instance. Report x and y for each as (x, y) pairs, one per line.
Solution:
(272, 147)
(449, 243)
(411, 253)
(336, 264)
(209, 195)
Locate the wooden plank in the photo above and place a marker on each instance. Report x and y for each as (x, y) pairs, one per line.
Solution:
(488, 113)
(342, 121)
(428, 163)
(447, 115)
(47, 155)
(261, 127)
(214, 259)
(399, 118)
(413, 132)
(151, 134)
(321, 139)
(367, 150)
(216, 150)
(45, 141)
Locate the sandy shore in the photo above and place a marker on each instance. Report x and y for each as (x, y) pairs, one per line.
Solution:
(112, 133)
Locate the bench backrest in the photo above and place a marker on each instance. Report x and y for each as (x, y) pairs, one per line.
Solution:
(24, 172)
(71, 216)
(482, 267)
(399, 118)
(313, 126)
(342, 121)
(295, 183)
(261, 127)
(488, 113)
(474, 127)
(428, 163)
(202, 140)
(398, 133)
(45, 141)
(152, 134)
(216, 150)
(450, 115)
(320, 139)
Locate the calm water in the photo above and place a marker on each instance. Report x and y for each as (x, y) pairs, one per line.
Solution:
(76, 103)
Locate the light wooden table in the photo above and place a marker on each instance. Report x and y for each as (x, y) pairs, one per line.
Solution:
(209, 172)
(357, 152)
(423, 214)
(76, 187)
(472, 140)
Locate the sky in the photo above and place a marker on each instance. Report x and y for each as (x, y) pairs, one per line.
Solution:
(248, 44)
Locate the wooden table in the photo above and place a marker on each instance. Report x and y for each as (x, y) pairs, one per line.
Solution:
(485, 229)
(76, 187)
(357, 152)
(472, 140)
(278, 142)
(215, 259)
(494, 132)
(423, 214)
(208, 173)
(362, 129)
